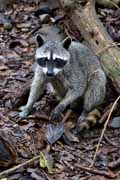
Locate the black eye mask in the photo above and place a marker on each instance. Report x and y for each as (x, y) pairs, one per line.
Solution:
(59, 63)
(42, 61)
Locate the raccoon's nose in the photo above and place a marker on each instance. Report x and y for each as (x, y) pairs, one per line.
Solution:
(50, 73)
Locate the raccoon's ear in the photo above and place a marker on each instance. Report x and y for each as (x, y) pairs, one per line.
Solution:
(39, 40)
(66, 42)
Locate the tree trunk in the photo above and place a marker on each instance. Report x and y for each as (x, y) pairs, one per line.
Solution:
(4, 3)
(92, 30)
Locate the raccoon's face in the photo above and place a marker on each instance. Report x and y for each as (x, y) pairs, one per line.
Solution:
(52, 57)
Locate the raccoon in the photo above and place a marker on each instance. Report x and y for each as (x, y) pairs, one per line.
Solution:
(74, 72)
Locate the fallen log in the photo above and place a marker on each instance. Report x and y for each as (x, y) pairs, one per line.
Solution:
(84, 17)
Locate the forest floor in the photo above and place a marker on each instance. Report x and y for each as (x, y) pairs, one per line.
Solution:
(23, 139)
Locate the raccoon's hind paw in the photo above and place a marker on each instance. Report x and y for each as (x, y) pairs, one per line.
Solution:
(81, 128)
(56, 113)
(87, 121)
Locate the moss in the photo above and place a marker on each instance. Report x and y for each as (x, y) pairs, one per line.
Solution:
(114, 72)
(118, 55)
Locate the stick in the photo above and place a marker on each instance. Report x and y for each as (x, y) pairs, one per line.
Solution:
(95, 171)
(106, 113)
(8, 171)
(109, 141)
(107, 47)
(68, 113)
(105, 126)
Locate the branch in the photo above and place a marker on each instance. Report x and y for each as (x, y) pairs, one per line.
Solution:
(8, 171)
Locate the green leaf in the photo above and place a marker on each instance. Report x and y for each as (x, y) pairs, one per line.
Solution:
(46, 161)
(42, 160)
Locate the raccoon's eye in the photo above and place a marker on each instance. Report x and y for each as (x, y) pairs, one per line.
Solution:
(42, 61)
(59, 63)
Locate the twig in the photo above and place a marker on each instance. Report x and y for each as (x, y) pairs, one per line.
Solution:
(105, 125)
(33, 141)
(68, 113)
(38, 116)
(46, 175)
(107, 47)
(106, 113)
(115, 5)
(33, 31)
(8, 171)
(48, 148)
(95, 171)
(109, 141)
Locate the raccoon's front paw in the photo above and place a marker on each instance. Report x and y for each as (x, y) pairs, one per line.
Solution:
(22, 108)
(24, 111)
(56, 113)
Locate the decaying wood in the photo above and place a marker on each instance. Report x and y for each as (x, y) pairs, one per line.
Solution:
(85, 19)
(22, 96)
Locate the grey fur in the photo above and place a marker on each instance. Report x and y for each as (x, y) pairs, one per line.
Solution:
(82, 76)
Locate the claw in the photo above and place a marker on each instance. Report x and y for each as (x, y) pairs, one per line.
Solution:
(82, 117)
(57, 112)
(54, 116)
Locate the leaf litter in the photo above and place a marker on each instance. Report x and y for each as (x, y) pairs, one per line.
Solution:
(21, 140)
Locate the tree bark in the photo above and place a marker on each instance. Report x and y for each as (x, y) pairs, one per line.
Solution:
(108, 3)
(4, 3)
(85, 19)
